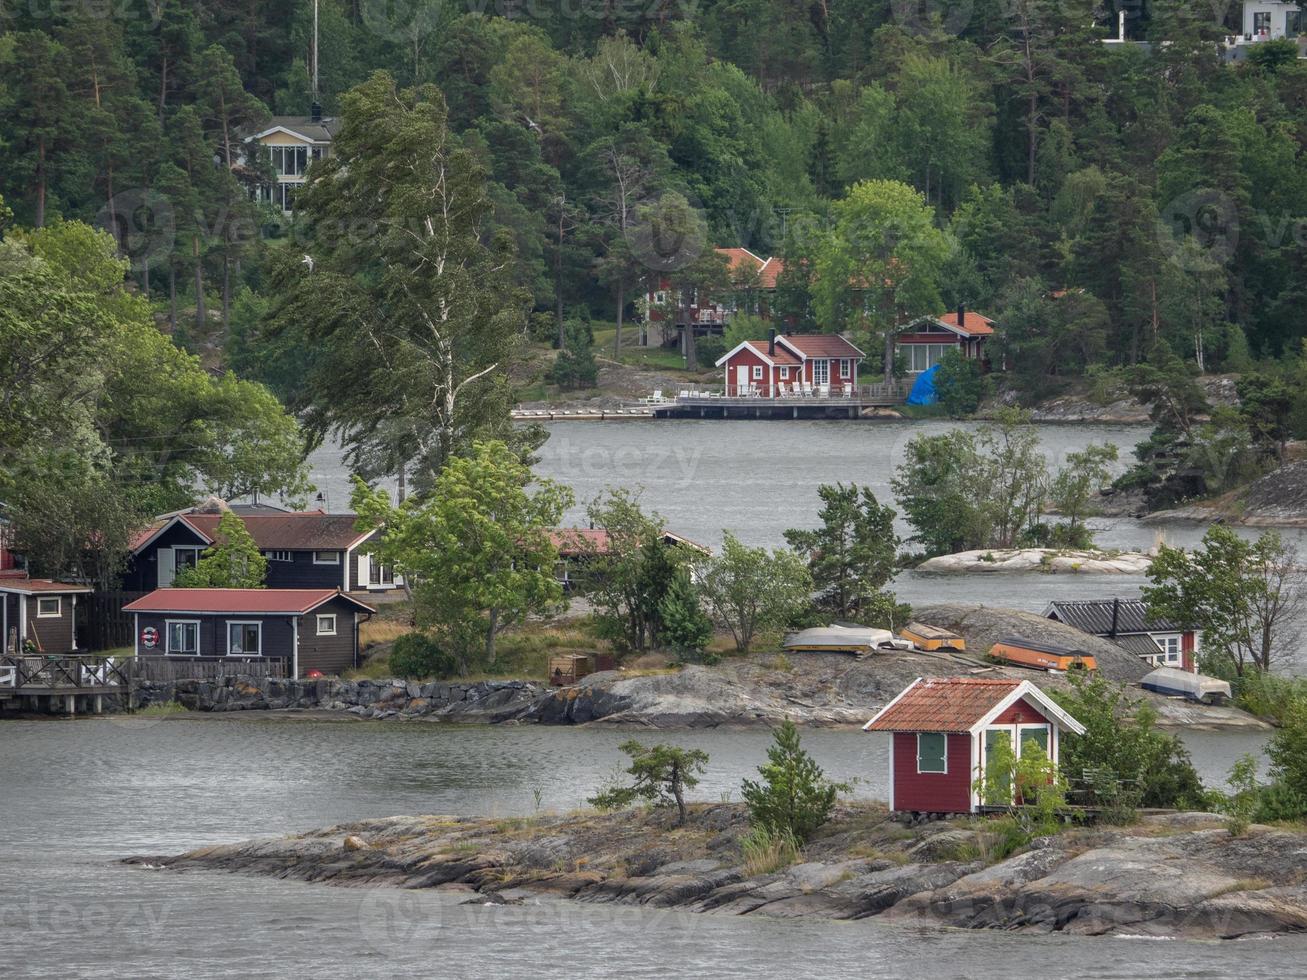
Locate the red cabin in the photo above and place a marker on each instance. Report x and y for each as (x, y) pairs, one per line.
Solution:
(924, 341)
(815, 365)
(944, 728)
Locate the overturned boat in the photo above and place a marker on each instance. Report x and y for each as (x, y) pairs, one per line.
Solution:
(844, 639)
(1182, 684)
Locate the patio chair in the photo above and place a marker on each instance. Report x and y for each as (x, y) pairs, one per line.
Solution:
(807, 390)
(823, 391)
(848, 391)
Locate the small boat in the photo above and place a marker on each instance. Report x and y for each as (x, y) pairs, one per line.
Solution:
(1041, 655)
(926, 637)
(844, 639)
(1182, 684)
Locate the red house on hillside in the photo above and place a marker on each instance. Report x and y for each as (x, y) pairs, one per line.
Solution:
(753, 283)
(944, 729)
(792, 365)
(924, 341)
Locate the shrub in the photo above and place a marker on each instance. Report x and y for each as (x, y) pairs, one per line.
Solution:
(416, 655)
(709, 350)
(1287, 749)
(959, 383)
(575, 366)
(794, 798)
(765, 850)
(1241, 804)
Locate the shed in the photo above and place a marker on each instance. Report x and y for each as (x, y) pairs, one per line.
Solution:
(926, 637)
(38, 611)
(943, 730)
(1041, 655)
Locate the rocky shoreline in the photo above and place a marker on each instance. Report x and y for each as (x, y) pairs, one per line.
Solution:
(1054, 561)
(1175, 875)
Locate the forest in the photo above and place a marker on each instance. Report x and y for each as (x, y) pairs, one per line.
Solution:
(1112, 206)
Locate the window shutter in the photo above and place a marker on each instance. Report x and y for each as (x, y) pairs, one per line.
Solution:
(365, 571)
(167, 570)
(931, 748)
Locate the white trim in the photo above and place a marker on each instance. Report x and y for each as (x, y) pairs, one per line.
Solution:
(22, 626)
(66, 590)
(976, 772)
(318, 624)
(179, 518)
(932, 772)
(58, 609)
(136, 634)
(290, 132)
(272, 553)
(229, 623)
(327, 551)
(346, 562)
(757, 373)
(294, 647)
(893, 738)
(167, 637)
(739, 347)
(897, 698)
(1048, 708)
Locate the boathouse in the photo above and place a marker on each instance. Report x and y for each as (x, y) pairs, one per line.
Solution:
(944, 729)
(38, 614)
(792, 366)
(1126, 622)
(308, 630)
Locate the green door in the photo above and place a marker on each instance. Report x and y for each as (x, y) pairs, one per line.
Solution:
(998, 743)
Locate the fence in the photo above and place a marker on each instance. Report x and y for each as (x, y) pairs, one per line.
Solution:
(101, 622)
(167, 669)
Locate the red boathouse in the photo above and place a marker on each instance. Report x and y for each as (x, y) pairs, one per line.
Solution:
(943, 729)
(792, 365)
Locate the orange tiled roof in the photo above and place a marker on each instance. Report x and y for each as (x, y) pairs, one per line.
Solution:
(781, 356)
(943, 704)
(821, 345)
(975, 324)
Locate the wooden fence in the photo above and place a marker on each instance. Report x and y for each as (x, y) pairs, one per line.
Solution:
(101, 622)
(168, 669)
(81, 674)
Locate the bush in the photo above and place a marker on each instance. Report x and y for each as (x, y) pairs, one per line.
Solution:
(575, 366)
(766, 850)
(1287, 749)
(686, 628)
(660, 775)
(960, 384)
(709, 349)
(794, 798)
(416, 655)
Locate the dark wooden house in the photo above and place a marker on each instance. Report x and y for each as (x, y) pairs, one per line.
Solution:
(308, 629)
(305, 550)
(38, 613)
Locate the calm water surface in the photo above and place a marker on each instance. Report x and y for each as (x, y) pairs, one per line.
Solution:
(76, 795)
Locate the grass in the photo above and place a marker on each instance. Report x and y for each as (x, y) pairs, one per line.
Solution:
(765, 852)
(160, 710)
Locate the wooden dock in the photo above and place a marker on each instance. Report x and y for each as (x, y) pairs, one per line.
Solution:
(745, 402)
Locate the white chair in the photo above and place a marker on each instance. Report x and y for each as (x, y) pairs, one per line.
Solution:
(9, 676)
(848, 391)
(807, 390)
(656, 398)
(823, 391)
(685, 393)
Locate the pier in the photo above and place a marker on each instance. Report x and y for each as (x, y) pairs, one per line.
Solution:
(748, 402)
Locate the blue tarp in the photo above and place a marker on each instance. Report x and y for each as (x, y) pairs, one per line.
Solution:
(923, 391)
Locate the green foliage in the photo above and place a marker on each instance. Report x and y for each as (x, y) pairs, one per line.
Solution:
(1245, 596)
(1287, 750)
(1241, 804)
(1074, 489)
(660, 775)
(1028, 782)
(852, 556)
(575, 366)
(233, 561)
(794, 798)
(960, 384)
(1123, 758)
(752, 591)
(477, 551)
(685, 627)
(416, 655)
(766, 850)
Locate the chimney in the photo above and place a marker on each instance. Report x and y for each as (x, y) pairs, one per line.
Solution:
(1116, 613)
(771, 343)
(315, 113)
(962, 316)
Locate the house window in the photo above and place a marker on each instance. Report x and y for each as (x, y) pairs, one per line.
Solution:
(1034, 733)
(922, 357)
(821, 372)
(279, 555)
(932, 752)
(845, 367)
(326, 557)
(785, 374)
(757, 372)
(1262, 22)
(1292, 23)
(244, 639)
(183, 558)
(183, 637)
(1171, 648)
(327, 625)
(49, 607)
(380, 573)
(660, 297)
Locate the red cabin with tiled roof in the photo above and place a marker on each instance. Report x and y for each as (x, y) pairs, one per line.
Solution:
(820, 365)
(924, 341)
(753, 282)
(943, 729)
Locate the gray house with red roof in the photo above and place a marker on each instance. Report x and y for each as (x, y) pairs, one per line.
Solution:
(312, 631)
(305, 550)
(38, 613)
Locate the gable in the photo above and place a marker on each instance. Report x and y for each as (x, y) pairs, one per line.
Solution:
(1024, 712)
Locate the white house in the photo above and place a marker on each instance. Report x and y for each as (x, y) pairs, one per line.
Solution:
(1270, 20)
(291, 143)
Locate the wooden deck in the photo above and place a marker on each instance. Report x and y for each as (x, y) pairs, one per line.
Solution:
(747, 402)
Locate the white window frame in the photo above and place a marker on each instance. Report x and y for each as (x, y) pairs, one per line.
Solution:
(384, 574)
(334, 560)
(185, 549)
(1033, 726)
(58, 607)
(279, 555)
(821, 371)
(757, 372)
(168, 624)
(846, 368)
(324, 616)
(932, 772)
(257, 624)
(785, 374)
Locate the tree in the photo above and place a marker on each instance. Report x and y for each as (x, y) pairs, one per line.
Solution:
(412, 323)
(575, 366)
(1247, 597)
(794, 798)
(478, 548)
(686, 628)
(233, 561)
(880, 262)
(1073, 491)
(937, 486)
(1013, 475)
(1287, 749)
(661, 774)
(852, 555)
(960, 384)
(752, 591)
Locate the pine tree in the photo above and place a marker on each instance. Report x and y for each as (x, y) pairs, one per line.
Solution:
(794, 798)
(685, 627)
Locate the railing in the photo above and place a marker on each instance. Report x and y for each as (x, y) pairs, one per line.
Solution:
(67, 673)
(799, 392)
(162, 669)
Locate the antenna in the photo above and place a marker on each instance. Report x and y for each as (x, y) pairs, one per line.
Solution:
(315, 52)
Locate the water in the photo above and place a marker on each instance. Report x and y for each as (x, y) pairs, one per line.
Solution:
(76, 795)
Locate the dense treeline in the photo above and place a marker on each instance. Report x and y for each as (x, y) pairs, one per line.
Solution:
(1099, 199)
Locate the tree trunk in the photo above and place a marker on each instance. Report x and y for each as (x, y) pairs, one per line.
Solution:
(163, 87)
(40, 182)
(691, 354)
(558, 281)
(617, 338)
(199, 288)
(172, 296)
(491, 631)
(678, 792)
(890, 335)
(226, 296)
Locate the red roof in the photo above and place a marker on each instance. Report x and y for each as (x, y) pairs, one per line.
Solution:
(974, 324)
(770, 271)
(820, 345)
(290, 602)
(18, 582)
(579, 540)
(744, 265)
(311, 530)
(943, 704)
(781, 356)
